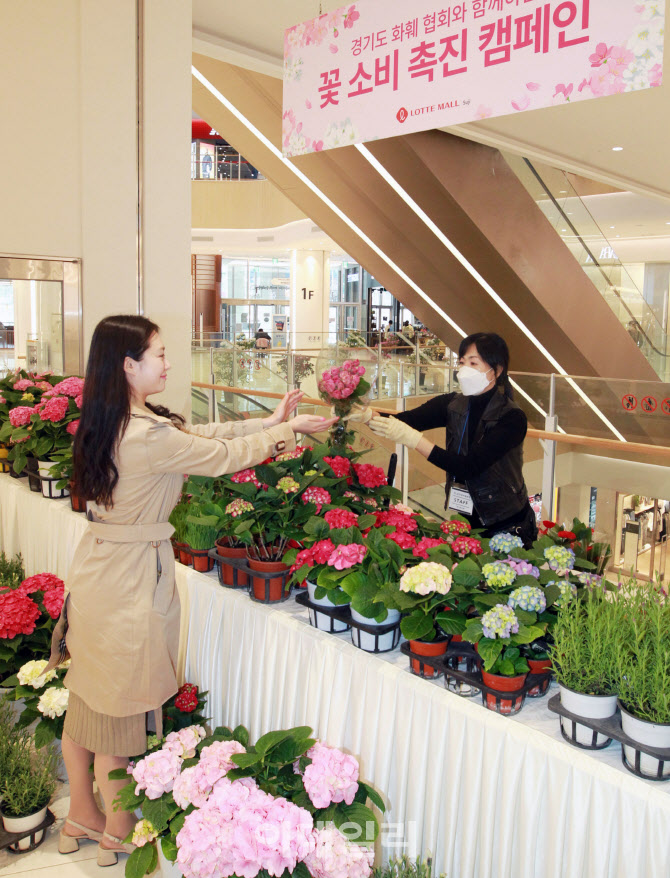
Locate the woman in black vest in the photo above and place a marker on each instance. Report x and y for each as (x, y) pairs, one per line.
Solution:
(483, 457)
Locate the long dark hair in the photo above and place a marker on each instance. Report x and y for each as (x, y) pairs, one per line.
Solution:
(493, 350)
(105, 409)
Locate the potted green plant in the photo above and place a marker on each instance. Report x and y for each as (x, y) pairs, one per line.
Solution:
(26, 786)
(643, 673)
(584, 655)
(200, 538)
(177, 519)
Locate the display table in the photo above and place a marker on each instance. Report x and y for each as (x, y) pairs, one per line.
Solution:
(488, 796)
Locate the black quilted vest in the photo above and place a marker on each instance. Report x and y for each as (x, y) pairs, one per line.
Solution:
(499, 492)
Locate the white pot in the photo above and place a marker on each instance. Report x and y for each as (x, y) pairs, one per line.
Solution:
(366, 641)
(168, 869)
(321, 620)
(645, 732)
(44, 469)
(25, 824)
(590, 707)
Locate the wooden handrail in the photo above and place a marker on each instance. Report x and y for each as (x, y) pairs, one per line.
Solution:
(568, 438)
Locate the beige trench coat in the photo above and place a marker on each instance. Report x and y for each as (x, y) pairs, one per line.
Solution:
(123, 605)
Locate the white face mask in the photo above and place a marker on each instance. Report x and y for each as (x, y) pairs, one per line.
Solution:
(472, 381)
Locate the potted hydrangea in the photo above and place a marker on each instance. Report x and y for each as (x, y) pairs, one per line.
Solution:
(28, 612)
(424, 587)
(498, 634)
(220, 805)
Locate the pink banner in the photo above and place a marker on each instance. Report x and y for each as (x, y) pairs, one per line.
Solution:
(379, 68)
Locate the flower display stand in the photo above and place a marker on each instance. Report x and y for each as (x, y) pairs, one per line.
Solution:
(24, 841)
(242, 571)
(449, 665)
(611, 728)
(380, 641)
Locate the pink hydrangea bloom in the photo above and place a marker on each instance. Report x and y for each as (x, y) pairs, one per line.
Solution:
(20, 415)
(332, 776)
(157, 772)
(341, 381)
(194, 784)
(55, 409)
(23, 384)
(78, 400)
(185, 741)
(425, 543)
(347, 556)
(72, 427)
(2, 399)
(42, 385)
(245, 475)
(335, 857)
(241, 830)
(318, 496)
(72, 386)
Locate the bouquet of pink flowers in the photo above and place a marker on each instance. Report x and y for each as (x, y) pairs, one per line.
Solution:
(222, 806)
(342, 387)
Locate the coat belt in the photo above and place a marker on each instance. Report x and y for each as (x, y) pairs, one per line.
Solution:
(131, 533)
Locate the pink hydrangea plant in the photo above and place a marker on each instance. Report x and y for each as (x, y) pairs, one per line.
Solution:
(347, 556)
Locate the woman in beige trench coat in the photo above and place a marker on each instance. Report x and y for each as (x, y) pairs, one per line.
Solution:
(121, 615)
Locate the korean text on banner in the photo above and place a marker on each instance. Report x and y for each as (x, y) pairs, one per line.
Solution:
(379, 68)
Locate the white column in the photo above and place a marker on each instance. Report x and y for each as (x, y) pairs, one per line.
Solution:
(310, 291)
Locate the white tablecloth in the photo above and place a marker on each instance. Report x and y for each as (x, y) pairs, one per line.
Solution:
(488, 796)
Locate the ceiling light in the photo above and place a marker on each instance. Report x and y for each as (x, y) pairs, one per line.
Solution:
(611, 227)
(617, 148)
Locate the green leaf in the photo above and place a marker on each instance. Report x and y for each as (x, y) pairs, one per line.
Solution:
(241, 735)
(289, 750)
(583, 564)
(373, 795)
(246, 760)
(118, 774)
(160, 811)
(451, 623)
(265, 742)
(506, 668)
(527, 634)
(44, 733)
(301, 871)
(127, 799)
(489, 599)
(552, 594)
(525, 616)
(142, 861)
(177, 823)
(473, 631)
(418, 626)
(169, 849)
(489, 650)
(270, 475)
(356, 822)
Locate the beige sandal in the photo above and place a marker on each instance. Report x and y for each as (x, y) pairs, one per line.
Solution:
(109, 856)
(68, 844)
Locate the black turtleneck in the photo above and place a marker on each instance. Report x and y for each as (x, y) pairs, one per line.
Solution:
(508, 433)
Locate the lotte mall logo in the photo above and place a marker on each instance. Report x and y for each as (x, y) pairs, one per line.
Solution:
(402, 114)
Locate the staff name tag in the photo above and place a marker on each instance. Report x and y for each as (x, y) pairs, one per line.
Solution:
(460, 500)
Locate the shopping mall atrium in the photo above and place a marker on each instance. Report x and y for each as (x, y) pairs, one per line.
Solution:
(328, 211)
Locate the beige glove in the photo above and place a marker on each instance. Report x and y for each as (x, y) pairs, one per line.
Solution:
(359, 414)
(396, 431)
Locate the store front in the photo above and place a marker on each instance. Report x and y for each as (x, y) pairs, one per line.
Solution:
(642, 534)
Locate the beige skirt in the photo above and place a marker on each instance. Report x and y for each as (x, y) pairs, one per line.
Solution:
(113, 735)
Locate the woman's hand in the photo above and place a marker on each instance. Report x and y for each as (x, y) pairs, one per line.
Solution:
(284, 410)
(311, 423)
(396, 431)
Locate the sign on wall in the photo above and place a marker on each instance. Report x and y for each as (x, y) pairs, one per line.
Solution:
(380, 68)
